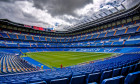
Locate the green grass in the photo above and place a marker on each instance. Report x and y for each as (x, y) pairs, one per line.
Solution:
(55, 59)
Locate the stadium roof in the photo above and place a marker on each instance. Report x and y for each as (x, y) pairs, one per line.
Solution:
(63, 15)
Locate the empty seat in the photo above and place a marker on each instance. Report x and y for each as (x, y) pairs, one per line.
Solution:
(36, 80)
(104, 70)
(133, 78)
(41, 82)
(125, 71)
(105, 75)
(114, 80)
(96, 71)
(78, 80)
(131, 69)
(110, 68)
(116, 72)
(60, 81)
(19, 82)
(137, 67)
(95, 77)
(76, 74)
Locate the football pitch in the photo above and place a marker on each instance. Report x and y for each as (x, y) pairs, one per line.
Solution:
(55, 59)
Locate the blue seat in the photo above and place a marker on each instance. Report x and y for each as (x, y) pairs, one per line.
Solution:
(76, 74)
(125, 71)
(114, 80)
(78, 80)
(41, 82)
(36, 80)
(116, 72)
(137, 67)
(87, 74)
(93, 83)
(120, 66)
(19, 82)
(96, 71)
(105, 75)
(114, 67)
(131, 69)
(60, 81)
(133, 78)
(95, 77)
(104, 70)
(110, 68)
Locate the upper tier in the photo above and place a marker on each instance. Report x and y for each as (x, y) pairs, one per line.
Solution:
(122, 35)
(129, 28)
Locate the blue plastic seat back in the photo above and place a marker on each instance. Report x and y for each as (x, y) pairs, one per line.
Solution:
(110, 68)
(76, 74)
(115, 67)
(96, 71)
(105, 75)
(125, 71)
(104, 70)
(131, 69)
(87, 74)
(78, 80)
(19, 82)
(60, 81)
(116, 72)
(114, 80)
(133, 78)
(95, 77)
(137, 67)
(34, 80)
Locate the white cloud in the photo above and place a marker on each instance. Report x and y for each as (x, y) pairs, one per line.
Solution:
(24, 12)
(41, 15)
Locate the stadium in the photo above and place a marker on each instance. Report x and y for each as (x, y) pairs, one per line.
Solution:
(103, 49)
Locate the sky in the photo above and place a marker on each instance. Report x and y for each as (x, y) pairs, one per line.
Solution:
(57, 13)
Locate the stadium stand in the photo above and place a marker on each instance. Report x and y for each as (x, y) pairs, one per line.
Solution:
(122, 38)
(98, 72)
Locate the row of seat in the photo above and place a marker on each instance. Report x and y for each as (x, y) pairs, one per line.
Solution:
(93, 72)
(109, 32)
(111, 39)
(77, 44)
(106, 77)
(131, 78)
(13, 64)
(98, 77)
(105, 50)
